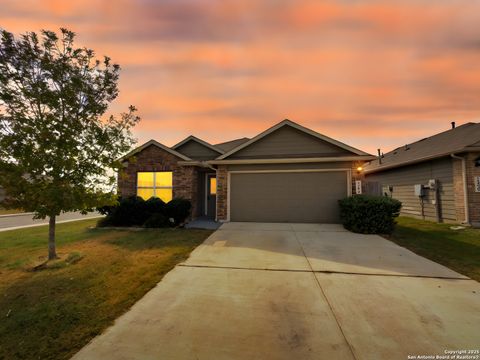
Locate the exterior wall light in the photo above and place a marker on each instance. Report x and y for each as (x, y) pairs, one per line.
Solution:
(359, 169)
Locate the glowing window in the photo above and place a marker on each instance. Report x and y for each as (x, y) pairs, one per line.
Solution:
(213, 186)
(155, 184)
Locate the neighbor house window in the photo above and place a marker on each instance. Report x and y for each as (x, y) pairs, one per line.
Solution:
(158, 184)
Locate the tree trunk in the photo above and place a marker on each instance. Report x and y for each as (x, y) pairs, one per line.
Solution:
(52, 252)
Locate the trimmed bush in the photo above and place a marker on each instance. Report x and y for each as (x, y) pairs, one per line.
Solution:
(154, 205)
(178, 209)
(157, 220)
(368, 214)
(134, 211)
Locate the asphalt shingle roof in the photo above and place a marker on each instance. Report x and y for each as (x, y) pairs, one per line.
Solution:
(460, 139)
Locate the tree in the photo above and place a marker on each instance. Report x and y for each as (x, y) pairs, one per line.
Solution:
(58, 149)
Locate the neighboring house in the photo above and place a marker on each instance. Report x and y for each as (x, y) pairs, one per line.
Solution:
(436, 178)
(287, 173)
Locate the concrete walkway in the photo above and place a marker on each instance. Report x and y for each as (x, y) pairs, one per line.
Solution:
(297, 291)
(19, 221)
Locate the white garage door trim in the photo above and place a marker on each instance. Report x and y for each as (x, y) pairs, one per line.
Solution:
(229, 173)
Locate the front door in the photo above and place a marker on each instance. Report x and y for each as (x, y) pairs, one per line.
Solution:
(211, 195)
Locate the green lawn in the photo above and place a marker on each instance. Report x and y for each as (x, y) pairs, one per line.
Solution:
(10, 211)
(53, 312)
(458, 250)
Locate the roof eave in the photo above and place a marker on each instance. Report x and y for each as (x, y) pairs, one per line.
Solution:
(291, 160)
(415, 161)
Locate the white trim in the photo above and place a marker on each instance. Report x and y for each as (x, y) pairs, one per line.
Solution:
(347, 170)
(291, 160)
(157, 144)
(287, 122)
(200, 141)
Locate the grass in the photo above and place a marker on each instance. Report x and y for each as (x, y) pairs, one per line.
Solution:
(53, 312)
(458, 250)
(10, 211)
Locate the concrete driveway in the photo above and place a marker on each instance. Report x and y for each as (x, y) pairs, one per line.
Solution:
(297, 291)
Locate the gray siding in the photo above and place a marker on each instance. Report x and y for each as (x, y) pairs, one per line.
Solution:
(197, 151)
(403, 179)
(288, 142)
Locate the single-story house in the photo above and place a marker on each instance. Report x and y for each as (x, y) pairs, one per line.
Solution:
(436, 178)
(287, 173)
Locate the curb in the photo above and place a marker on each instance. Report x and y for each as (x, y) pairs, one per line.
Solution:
(46, 224)
(17, 214)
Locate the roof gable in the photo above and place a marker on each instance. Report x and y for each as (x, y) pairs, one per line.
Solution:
(200, 141)
(197, 149)
(157, 144)
(289, 140)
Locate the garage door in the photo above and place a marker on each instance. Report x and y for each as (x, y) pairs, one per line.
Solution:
(308, 197)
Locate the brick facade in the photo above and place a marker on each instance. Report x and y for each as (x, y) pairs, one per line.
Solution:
(222, 193)
(458, 189)
(152, 158)
(472, 195)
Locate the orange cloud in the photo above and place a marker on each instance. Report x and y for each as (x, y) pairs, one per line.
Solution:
(371, 73)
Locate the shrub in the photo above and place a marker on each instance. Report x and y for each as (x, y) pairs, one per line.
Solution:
(157, 220)
(130, 211)
(154, 205)
(368, 214)
(134, 211)
(178, 209)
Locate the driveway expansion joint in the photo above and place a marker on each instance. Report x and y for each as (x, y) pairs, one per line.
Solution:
(322, 272)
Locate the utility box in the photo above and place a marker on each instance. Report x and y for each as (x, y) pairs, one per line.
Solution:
(432, 184)
(419, 190)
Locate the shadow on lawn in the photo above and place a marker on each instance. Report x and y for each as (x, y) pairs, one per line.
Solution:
(160, 238)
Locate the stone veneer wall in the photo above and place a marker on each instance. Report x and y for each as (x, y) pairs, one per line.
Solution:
(222, 192)
(152, 158)
(458, 189)
(473, 197)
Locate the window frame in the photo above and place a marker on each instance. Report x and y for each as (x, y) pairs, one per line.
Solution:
(155, 186)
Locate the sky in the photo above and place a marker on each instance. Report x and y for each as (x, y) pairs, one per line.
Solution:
(373, 74)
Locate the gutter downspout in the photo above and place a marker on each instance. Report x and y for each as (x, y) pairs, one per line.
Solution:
(465, 188)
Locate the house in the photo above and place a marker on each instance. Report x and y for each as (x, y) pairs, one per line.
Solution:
(287, 173)
(436, 178)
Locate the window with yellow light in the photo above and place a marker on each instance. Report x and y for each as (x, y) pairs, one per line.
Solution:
(155, 184)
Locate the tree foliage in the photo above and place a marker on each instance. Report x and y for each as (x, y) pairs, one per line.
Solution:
(58, 149)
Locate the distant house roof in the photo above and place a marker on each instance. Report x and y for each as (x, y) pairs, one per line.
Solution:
(232, 144)
(463, 138)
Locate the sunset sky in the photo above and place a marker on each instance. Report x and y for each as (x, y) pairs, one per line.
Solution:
(369, 73)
